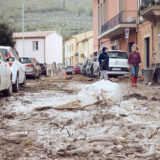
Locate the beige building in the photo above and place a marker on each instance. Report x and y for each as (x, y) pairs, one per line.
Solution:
(78, 48)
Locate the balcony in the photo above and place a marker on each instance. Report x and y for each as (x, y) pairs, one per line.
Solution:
(117, 25)
(150, 9)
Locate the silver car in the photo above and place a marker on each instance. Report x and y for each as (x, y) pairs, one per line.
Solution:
(32, 68)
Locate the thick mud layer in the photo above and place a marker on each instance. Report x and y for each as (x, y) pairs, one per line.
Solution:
(32, 127)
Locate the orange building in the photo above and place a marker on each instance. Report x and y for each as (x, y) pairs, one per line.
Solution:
(111, 18)
(149, 31)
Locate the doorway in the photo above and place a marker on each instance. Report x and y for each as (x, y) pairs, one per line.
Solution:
(147, 52)
(130, 46)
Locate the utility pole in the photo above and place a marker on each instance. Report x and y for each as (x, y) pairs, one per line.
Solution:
(23, 25)
(64, 5)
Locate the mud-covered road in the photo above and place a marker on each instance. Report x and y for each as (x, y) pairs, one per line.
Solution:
(32, 127)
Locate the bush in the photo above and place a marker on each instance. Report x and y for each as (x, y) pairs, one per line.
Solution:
(6, 35)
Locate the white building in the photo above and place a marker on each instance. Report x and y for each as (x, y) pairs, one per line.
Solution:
(45, 46)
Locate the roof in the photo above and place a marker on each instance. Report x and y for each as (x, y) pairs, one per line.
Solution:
(5, 47)
(39, 34)
(82, 36)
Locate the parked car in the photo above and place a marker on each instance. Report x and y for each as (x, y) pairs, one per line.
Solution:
(118, 63)
(64, 67)
(88, 67)
(43, 69)
(77, 69)
(18, 70)
(83, 67)
(96, 68)
(69, 70)
(5, 76)
(31, 66)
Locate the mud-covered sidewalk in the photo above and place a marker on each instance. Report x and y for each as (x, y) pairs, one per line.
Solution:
(32, 127)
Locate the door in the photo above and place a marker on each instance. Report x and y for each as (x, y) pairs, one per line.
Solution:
(147, 52)
(19, 65)
(2, 72)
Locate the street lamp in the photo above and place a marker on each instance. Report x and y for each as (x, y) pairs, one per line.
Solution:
(23, 23)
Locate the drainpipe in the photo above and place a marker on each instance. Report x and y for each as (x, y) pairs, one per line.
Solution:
(152, 27)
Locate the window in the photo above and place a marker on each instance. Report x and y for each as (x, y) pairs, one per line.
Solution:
(1, 56)
(25, 60)
(5, 51)
(35, 45)
(118, 55)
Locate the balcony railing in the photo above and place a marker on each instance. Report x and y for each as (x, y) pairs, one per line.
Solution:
(148, 3)
(124, 17)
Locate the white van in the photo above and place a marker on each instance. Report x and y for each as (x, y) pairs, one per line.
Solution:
(5, 76)
(118, 62)
(18, 70)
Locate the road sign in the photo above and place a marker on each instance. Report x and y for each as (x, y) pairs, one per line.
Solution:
(127, 33)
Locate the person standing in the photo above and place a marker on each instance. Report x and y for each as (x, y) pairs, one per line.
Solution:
(104, 63)
(134, 60)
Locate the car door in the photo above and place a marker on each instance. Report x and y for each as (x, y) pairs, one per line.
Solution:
(20, 66)
(3, 74)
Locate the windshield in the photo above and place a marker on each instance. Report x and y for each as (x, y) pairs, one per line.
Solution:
(69, 67)
(119, 55)
(25, 60)
(78, 65)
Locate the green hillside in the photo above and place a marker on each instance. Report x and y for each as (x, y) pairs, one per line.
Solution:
(68, 17)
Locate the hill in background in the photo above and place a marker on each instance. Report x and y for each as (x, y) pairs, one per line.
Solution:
(68, 17)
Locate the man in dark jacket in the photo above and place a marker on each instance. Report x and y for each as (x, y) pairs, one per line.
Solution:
(104, 63)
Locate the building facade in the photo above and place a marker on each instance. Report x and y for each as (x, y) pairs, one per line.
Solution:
(149, 31)
(78, 48)
(111, 19)
(45, 46)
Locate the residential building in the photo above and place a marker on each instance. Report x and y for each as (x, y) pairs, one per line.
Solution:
(149, 30)
(45, 46)
(111, 19)
(78, 48)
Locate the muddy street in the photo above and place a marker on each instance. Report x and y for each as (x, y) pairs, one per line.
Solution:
(46, 121)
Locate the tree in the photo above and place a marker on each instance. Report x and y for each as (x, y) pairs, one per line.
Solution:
(6, 35)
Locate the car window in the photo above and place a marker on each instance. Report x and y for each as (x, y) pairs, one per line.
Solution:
(69, 67)
(118, 55)
(14, 54)
(5, 52)
(25, 60)
(2, 56)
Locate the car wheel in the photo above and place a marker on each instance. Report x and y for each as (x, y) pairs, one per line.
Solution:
(99, 74)
(9, 91)
(16, 85)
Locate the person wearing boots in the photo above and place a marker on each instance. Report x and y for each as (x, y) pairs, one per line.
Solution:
(134, 60)
(104, 63)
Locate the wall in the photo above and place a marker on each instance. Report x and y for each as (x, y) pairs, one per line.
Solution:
(144, 30)
(95, 25)
(28, 47)
(113, 8)
(67, 53)
(54, 48)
